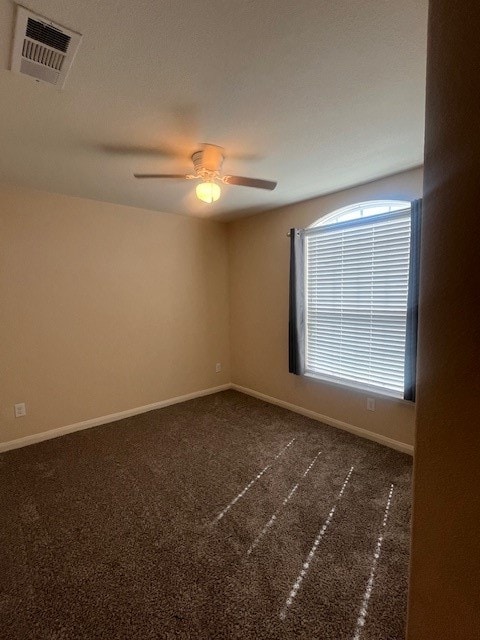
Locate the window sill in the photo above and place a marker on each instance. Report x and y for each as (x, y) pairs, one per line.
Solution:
(359, 387)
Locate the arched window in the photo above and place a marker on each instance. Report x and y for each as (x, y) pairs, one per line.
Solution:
(362, 210)
(356, 287)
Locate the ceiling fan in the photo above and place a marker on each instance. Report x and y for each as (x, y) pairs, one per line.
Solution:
(207, 163)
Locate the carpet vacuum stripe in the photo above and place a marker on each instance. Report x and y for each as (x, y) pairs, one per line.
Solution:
(251, 483)
(362, 616)
(308, 560)
(290, 495)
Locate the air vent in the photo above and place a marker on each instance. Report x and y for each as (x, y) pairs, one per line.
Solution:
(43, 49)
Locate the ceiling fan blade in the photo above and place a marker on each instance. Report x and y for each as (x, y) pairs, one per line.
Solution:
(212, 156)
(250, 182)
(180, 176)
(162, 151)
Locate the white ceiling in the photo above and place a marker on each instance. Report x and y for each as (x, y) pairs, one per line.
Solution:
(317, 94)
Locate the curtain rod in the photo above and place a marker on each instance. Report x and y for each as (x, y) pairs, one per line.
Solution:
(299, 231)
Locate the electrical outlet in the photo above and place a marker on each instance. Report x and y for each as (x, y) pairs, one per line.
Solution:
(218, 367)
(20, 410)
(370, 404)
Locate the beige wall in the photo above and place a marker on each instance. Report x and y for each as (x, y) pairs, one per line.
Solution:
(445, 566)
(105, 308)
(259, 271)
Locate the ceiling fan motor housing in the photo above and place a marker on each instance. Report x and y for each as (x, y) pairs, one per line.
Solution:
(206, 172)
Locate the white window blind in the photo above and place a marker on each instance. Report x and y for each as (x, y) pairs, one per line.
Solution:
(356, 286)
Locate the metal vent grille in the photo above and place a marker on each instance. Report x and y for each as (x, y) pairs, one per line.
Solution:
(48, 35)
(42, 49)
(43, 55)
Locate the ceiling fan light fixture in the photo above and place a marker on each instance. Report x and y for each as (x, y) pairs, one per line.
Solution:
(207, 164)
(208, 192)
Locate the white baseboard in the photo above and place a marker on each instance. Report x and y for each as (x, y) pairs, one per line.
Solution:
(358, 431)
(112, 417)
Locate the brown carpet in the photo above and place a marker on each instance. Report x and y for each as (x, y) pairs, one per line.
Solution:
(197, 521)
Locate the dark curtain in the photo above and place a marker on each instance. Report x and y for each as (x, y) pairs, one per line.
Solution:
(412, 307)
(296, 320)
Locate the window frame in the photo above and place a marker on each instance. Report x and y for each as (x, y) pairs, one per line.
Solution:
(394, 206)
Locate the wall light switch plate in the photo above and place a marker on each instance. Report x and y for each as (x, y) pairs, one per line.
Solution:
(218, 367)
(20, 410)
(370, 404)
